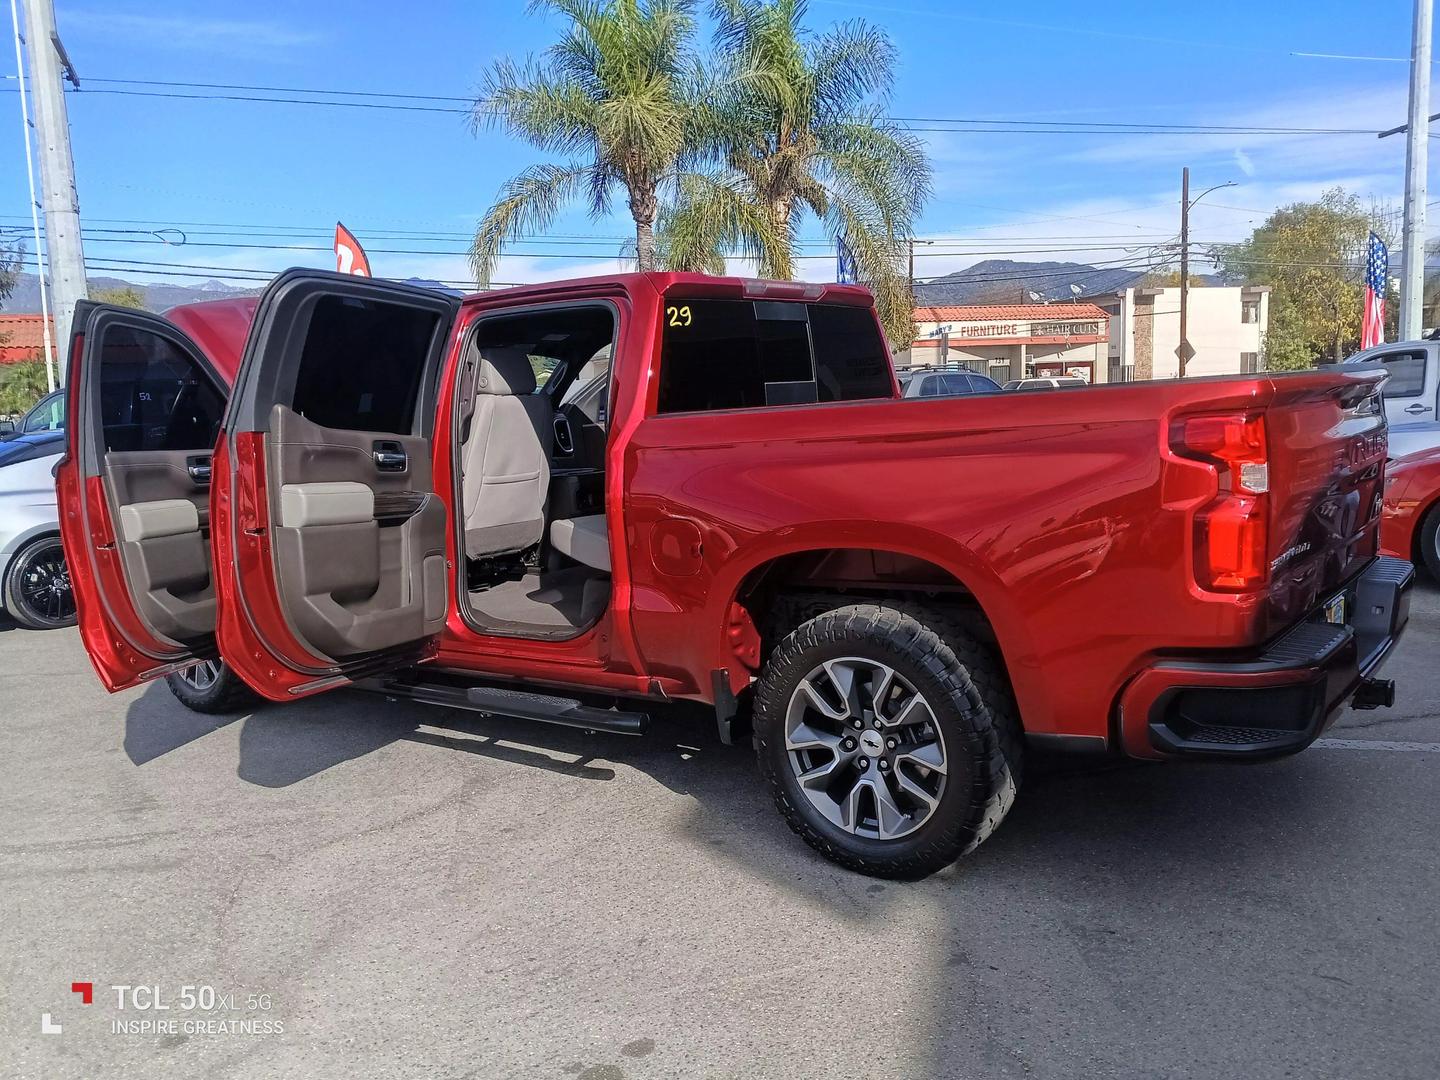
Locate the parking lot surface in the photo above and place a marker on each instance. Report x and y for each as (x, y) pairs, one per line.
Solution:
(417, 892)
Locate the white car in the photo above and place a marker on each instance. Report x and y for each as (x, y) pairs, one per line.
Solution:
(34, 580)
(1045, 382)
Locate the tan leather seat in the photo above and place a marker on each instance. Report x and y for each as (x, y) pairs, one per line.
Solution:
(506, 457)
(584, 539)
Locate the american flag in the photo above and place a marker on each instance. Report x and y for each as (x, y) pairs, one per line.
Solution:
(1377, 283)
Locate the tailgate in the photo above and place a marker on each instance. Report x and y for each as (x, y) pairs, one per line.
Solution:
(1327, 445)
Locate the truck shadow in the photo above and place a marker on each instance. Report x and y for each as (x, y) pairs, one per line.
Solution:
(1096, 864)
(280, 745)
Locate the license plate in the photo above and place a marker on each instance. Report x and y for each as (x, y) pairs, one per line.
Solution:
(1335, 609)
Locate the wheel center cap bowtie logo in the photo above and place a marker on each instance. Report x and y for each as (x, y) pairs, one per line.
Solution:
(872, 742)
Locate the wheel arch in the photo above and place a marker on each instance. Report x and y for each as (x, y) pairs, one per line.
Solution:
(849, 562)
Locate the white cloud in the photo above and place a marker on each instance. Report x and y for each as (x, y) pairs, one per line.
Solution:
(245, 37)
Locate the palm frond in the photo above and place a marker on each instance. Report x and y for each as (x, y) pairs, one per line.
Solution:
(528, 203)
(851, 63)
(714, 216)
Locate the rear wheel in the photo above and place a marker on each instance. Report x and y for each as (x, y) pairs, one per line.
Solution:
(37, 590)
(891, 749)
(211, 687)
(1430, 542)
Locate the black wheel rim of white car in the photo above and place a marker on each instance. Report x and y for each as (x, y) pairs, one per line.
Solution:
(202, 676)
(44, 583)
(865, 748)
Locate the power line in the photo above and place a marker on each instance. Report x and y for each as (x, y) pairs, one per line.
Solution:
(386, 100)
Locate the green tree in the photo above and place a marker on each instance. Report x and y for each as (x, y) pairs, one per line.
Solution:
(618, 95)
(1312, 256)
(799, 126)
(21, 385)
(121, 296)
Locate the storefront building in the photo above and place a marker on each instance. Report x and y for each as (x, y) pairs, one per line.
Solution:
(1226, 326)
(1013, 341)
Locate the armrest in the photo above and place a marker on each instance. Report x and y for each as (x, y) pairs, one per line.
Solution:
(162, 517)
(337, 502)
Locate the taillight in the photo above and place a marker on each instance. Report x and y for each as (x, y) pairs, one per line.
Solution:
(1231, 538)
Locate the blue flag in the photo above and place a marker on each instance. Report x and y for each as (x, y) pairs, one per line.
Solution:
(845, 271)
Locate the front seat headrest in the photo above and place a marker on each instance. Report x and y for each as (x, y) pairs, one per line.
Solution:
(505, 370)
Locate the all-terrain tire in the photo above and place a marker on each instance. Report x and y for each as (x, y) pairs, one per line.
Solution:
(974, 709)
(215, 690)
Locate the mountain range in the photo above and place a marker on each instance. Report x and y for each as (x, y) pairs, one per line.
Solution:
(1005, 281)
(158, 297)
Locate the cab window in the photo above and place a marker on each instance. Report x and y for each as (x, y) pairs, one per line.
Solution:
(1407, 374)
(743, 354)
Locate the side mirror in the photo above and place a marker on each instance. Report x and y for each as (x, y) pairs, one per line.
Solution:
(7, 427)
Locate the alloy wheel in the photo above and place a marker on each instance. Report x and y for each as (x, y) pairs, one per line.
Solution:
(865, 747)
(44, 583)
(201, 676)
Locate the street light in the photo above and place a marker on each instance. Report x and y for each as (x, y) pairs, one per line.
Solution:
(1183, 350)
(913, 241)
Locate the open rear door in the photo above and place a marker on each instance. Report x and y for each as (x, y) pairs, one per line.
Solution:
(327, 525)
(144, 407)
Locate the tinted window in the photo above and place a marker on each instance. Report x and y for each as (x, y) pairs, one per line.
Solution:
(363, 364)
(930, 387)
(153, 395)
(1407, 374)
(737, 354)
(851, 360)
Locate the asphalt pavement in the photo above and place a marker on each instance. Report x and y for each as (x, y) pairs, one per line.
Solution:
(379, 889)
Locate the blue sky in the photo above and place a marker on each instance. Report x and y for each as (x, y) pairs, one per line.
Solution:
(249, 168)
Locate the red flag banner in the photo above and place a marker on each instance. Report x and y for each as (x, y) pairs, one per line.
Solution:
(349, 255)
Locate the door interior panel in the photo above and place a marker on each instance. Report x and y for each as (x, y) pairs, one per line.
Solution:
(162, 507)
(359, 535)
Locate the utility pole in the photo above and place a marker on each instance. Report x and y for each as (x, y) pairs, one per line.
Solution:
(1183, 350)
(1417, 151)
(66, 256)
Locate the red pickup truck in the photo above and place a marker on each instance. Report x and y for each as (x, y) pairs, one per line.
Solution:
(358, 482)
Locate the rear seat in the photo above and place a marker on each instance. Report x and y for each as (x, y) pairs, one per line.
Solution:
(583, 539)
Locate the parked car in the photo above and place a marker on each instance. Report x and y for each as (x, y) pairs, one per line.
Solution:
(1412, 393)
(35, 444)
(944, 382)
(1411, 525)
(1045, 382)
(34, 581)
(47, 414)
(890, 601)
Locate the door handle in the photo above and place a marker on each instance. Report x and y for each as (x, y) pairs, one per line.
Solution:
(1417, 409)
(199, 470)
(390, 456)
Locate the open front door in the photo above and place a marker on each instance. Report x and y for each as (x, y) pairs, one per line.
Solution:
(144, 408)
(327, 525)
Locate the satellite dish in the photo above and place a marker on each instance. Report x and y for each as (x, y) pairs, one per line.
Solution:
(1074, 289)
(1035, 297)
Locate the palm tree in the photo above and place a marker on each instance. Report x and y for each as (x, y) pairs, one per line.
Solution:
(616, 95)
(801, 126)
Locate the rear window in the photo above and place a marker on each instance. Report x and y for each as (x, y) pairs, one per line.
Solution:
(363, 364)
(744, 354)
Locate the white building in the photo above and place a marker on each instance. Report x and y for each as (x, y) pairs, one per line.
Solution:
(1011, 341)
(1226, 328)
